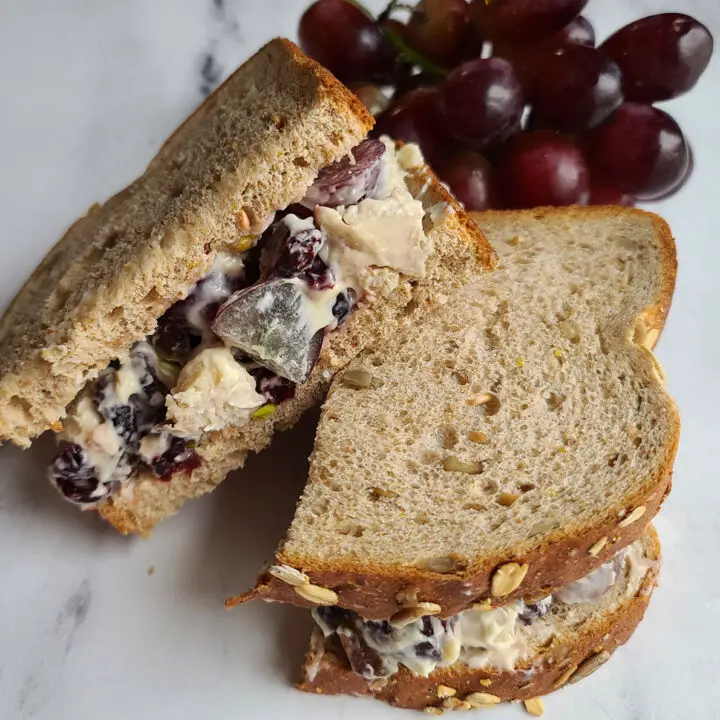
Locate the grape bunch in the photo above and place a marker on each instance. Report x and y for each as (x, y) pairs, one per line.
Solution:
(512, 102)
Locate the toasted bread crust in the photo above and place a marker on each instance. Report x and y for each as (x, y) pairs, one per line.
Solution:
(407, 690)
(461, 251)
(250, 149)
(554, 561)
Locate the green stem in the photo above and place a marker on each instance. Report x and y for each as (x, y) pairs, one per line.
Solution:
(412, 56)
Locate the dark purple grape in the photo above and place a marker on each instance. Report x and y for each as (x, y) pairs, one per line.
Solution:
(639, 149)
(573, 88)
(74, 475)
(344, 303)
(177, 458)
(275, 388)
(523, 20)
(410, 81)
(481, 102)
(471, 180)
(661, 56)
(542, 168)
(685, 177)
(349, 180)
(603, 192)
(436, 28)
(318, 276)
(414, 118)
(288, 255)
(340, 36)
(524, 57)
(579, 31)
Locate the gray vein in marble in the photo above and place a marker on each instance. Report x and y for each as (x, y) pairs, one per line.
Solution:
(224, 38)
(40, 684)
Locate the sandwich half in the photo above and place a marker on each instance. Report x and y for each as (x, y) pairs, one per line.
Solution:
(509, 445)
(173, 329)
(482, 656)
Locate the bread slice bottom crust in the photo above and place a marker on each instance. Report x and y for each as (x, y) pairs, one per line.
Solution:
(581, 651)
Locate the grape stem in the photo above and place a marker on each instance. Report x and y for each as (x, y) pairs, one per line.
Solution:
(407, 53)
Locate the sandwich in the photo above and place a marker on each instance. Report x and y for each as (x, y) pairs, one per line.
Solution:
(480, 492)
(481, 657)
(173, 329)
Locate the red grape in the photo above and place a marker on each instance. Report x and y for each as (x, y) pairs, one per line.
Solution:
(471, 180)
(661, 56)
(604, 193)
(340, 36)
(685, 177)
(573, 88)
(542, 168)
(481, 102)
(414, 118)
(436, 28)
(523, 57)
(523, 20)
(640, 149)
(578, 31)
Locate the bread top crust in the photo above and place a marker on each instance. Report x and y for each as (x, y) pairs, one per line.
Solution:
(460, 253)
(554, 558)
(254, 146)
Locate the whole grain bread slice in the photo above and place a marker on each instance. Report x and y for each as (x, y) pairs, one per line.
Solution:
(460, 254)
(253, 147)
(511, 443)
(585, 637)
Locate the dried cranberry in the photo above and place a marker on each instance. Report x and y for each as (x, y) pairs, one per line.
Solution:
(177, 458)
(427, 627)
(288, 255)
(74, 475)
(332, 617)
(275, 388)
(349, 180)
(531, 612)
(173, 338)
(364, 660)
(344, 303)
(378, 630)
(428, 650)
(319, 276)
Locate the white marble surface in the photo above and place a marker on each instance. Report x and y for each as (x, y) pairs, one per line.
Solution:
(86, 632)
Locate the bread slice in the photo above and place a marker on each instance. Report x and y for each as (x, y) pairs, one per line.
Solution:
(571, 643)
(254, 146)
(461, 253)
(509, 445)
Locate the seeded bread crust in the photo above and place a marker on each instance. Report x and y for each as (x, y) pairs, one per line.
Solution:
(604, 634)
(461, 252)
(555, 559)
(254, 146)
